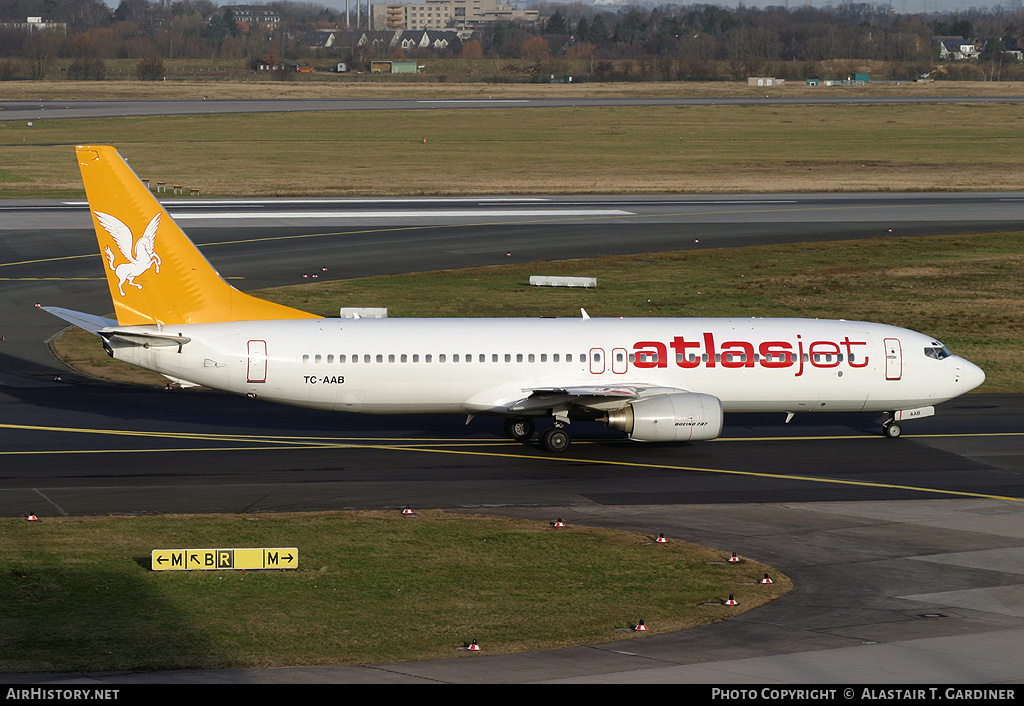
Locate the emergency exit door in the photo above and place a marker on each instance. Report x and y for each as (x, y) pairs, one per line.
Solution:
(257, 369)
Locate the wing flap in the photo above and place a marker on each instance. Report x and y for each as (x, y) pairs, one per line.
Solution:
(595, 397)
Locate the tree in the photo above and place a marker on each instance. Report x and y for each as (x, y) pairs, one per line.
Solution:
(151, 69)
(87, 70)
(472, 50)
(598, 32)
(536, 49)
(556, 24)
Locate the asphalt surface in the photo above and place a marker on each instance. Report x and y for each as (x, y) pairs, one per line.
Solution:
(907, 555)
(56, 110)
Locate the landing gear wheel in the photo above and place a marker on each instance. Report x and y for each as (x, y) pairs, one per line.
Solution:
(519, 428)
(892, 430)
(554, 440)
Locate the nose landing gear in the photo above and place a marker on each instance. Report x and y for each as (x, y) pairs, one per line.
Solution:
(892, 429)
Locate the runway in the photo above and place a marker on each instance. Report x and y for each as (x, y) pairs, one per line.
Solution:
(57, 110)
(875, 533)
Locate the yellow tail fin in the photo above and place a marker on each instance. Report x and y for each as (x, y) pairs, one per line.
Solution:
(155, 273)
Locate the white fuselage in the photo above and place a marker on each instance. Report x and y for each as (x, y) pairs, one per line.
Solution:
(479, 366)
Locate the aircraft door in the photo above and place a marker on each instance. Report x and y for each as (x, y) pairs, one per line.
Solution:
(893, 359)
(597, 360)
(620, 360)
(257, 368)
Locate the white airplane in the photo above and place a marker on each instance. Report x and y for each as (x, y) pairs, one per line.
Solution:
(654, 379)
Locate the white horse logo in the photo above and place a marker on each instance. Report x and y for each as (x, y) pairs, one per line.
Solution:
(144, 256)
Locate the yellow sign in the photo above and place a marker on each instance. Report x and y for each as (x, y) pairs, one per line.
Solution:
(219, 559)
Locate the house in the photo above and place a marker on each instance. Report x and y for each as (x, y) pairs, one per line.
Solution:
(958, 49)
(320, 39)
(371, 40)
(432, 39)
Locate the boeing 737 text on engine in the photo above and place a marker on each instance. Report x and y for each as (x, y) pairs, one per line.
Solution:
(654, 379)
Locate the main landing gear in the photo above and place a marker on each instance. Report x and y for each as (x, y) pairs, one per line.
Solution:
(519, 428)
(554, 439)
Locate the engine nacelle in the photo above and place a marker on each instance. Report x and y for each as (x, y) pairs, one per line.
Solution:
(682, 416)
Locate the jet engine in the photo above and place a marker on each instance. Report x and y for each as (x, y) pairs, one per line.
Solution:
(682, 416)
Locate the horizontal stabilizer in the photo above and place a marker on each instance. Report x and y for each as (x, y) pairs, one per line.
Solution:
(89, 322)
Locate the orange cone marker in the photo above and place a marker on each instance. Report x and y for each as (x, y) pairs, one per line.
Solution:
(731, 601)
(473, 647)
(31, 517)
(559, 523)
(661, 538)
(407, 510)
(640, 627)
(766, 579)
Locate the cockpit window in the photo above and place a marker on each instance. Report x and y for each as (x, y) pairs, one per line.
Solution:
(938, 352)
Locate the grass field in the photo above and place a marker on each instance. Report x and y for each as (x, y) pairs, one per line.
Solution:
(698, 149)
(79, 594)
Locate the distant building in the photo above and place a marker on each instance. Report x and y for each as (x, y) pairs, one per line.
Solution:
(465, 15)
(438, 40)
(36, 24)
(251, 17)
(957, 49)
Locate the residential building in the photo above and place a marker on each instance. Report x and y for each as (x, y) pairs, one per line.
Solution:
(957, 49)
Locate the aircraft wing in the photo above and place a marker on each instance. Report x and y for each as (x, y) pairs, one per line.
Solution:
(596, 397)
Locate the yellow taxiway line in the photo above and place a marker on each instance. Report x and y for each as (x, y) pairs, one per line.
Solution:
(264, 443)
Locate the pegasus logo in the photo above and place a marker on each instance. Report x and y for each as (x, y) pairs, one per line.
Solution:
(138, 262)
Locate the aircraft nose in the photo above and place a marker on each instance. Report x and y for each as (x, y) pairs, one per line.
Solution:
(971, 376)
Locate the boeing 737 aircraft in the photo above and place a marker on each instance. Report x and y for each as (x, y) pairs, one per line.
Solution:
(654, 379)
